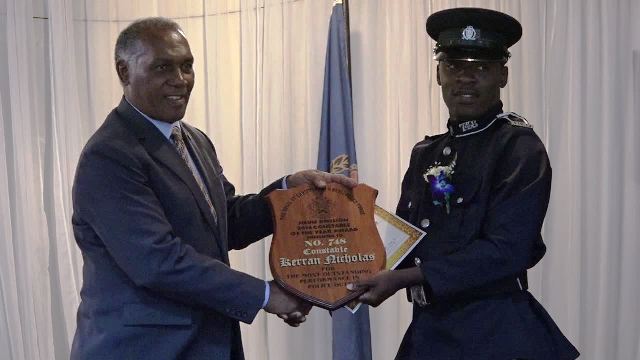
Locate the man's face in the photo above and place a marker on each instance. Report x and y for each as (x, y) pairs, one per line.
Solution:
(158, 78)
(470, 88)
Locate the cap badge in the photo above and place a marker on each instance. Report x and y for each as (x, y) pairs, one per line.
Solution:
(469, 33)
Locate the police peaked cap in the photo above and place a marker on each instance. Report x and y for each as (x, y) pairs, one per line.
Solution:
(473, 34)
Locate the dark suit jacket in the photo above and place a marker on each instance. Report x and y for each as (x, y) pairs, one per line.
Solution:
(157, 282)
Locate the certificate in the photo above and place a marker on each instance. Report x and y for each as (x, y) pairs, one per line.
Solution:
(398, 237)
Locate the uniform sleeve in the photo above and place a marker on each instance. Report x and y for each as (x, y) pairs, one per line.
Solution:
(509, 241)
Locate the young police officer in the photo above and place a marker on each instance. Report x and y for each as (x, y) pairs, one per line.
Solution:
(480, 191)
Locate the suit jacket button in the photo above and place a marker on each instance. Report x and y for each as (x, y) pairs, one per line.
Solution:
(425, 223)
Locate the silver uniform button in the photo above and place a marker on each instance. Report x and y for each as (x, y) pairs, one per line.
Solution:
(425, 223)
(459, 200)
(409, 205)
(446, 151)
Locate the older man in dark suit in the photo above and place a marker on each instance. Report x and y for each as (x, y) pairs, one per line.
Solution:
(155, 217)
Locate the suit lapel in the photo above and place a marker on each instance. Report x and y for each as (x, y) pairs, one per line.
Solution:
(164, 152)
(211, 179)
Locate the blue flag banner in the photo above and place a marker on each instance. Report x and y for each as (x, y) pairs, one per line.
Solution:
(337, 154)
(337, 150)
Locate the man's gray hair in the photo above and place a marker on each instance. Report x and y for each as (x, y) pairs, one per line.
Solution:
(129, 37)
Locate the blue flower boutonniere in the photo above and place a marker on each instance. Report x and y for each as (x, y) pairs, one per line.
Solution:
(439, 179)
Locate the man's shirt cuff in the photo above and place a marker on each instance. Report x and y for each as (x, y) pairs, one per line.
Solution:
(267, 293)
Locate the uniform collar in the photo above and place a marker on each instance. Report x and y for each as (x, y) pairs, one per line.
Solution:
(474, 126)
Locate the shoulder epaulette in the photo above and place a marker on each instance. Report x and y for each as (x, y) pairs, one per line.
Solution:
(515, 120)
(428, 139)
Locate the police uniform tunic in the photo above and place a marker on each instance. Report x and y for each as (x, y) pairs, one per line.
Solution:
(480, 191)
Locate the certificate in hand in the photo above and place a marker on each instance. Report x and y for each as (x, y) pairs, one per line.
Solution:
(398, 236)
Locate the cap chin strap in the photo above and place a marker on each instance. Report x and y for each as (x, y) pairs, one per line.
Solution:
(441, 54)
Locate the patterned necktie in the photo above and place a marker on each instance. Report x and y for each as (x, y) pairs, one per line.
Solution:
(176, 136)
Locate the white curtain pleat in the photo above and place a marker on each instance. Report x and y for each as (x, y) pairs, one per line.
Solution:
(27, 293)
(65, 139)
(11, 339)
(392, 80)
(575, 75)
(629, 266)
(10, 322)
(281, 96)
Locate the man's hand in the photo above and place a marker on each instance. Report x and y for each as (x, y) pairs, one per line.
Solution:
(386, 283)
(288, 307)
(319, 179)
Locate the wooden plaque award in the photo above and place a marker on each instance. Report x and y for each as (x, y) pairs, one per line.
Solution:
(323, 240)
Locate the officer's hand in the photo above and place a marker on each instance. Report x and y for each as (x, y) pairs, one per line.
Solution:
(384, 284)
(378, 288)
(319, 179)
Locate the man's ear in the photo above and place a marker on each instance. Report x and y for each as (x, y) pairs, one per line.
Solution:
(122, 68)
(504, 76)
(438, 73)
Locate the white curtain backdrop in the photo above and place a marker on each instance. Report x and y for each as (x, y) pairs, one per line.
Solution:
(259, 63)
